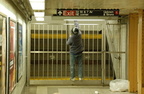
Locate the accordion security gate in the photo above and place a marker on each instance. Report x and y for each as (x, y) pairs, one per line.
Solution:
(49, 63)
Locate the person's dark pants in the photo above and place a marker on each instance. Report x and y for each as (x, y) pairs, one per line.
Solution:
(73, 59)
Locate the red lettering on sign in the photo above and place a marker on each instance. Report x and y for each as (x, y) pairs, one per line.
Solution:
(69, 13)
(116, 12)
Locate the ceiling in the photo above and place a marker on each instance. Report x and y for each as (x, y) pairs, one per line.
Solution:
(125, 6)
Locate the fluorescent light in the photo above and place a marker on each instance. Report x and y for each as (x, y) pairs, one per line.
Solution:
(39, 19)
(38, 5)
(82, 24)
(6, 11)
(84, 19)
(39, 14)
(38, 23)
(36, 0)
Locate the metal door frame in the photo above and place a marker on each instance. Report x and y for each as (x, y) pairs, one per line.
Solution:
(106, 82)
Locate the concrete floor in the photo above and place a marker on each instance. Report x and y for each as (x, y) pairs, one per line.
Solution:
(70, 90)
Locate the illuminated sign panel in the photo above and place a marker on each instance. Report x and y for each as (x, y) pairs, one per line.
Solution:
(87, 12)
(69, 13)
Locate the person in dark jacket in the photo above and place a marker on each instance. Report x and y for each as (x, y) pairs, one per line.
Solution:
(76, 49)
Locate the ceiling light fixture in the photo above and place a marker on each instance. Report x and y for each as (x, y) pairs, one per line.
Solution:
(82, 24)
(39, 19)
(39, 14)
(84, 19)
(36, 0)
(37, 4)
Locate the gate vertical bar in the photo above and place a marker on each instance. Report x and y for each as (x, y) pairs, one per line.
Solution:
(109, 53)
(97, 54)
(57, 53)
(67, 56)
(38, 49)
(93, 53)
(43, 51)
(65, 51)
(48, 51)
(119, 50)
(84, 54)
(66, 59)
(61, 55)
(52, 49)
(34, 53)
(88, 51)
(103, 55)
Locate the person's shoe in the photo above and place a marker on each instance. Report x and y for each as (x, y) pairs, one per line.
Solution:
(80, 79)
(73, 79)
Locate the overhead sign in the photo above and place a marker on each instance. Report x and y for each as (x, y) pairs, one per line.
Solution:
(87, 12)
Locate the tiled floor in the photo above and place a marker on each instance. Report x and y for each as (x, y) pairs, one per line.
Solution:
(70, 90)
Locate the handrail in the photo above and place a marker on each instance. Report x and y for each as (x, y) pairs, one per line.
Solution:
(91, 52)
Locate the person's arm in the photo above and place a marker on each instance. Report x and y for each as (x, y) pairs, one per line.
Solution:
(80, 32)
(69, 41)
(76, 24)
